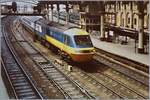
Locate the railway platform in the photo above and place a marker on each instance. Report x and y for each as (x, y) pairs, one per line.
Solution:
(3, 92)
(126, 51)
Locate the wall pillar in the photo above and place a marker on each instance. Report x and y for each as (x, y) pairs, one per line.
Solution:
(102, 35)
(52, 12)
(140, 37)
(141, 27)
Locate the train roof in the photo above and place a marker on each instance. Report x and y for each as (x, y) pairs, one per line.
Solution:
(75, 31)
(32, 18)
(66, 29)
(57, 26)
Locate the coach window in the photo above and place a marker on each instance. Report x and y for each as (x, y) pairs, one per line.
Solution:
(69, 41)
(51, 33)
(65, 39)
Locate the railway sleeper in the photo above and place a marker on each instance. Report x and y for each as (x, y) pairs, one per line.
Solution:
(23, 91)
(67, 85)
(26, 94)
(70, 88)
(47, 67)
(18, 81)
(16, 75)
(14, 71)
(14, 78)
(23, 87)
(63, 82)
(56, 76)
(60, 79)
(31, 97)
(74, 92)
(21, 84)
(51, 70)
(77, 96)
(54, 73)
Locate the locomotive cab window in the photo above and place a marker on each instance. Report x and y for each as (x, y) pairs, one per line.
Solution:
(68, 41)
(83, 41)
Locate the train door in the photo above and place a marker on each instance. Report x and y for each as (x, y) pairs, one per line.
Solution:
(65, 43)
(66, 48)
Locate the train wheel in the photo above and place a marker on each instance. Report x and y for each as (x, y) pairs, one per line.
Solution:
(47, 45)
(66, 57)
(69, 60)
(34, 37)
(43, 42)
(54, 49)
(60, 54)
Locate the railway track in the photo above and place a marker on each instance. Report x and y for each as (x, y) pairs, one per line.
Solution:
(129, 62)
(127, 69)
(68, 87)
(113, 88)
(20, 83)
(135, 70)
(110, 90)
(116, 86)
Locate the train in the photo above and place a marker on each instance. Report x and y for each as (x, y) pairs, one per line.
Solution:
(72, 43)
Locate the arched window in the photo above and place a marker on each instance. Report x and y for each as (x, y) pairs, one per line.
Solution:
(135, 21)
(121, 19)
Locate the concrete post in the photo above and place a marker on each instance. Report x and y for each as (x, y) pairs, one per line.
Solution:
(48, 11)
(58, 13)
(85, 24)
(125, 17)
(131, 20)
(140, 37)
(67, 15)
(102, 35)
(141, 27)
(52, 12)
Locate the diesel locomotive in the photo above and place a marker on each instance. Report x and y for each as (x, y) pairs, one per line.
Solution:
(72, 43)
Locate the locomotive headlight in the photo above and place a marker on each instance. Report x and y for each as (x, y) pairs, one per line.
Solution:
(93, 50)
(77, 51)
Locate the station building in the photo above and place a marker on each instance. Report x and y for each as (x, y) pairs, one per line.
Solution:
(129, 19)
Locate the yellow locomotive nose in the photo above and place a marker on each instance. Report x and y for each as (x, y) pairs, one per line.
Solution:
(82, 57)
